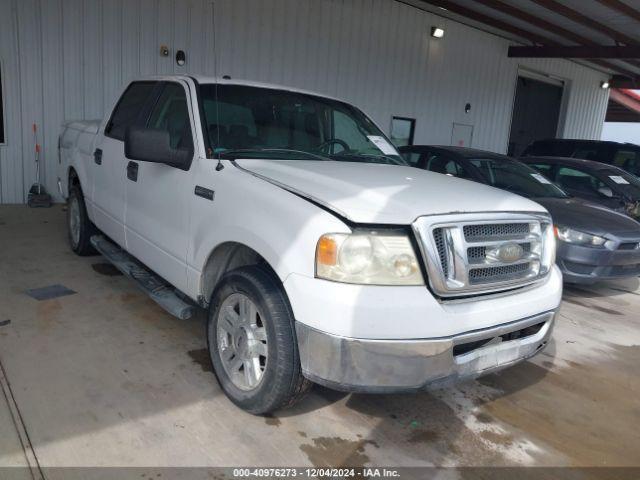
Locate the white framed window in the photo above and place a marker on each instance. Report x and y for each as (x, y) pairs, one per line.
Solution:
(402, 130)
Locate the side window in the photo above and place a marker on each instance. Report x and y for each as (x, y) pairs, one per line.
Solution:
(412, 158)
(172, 115)
(629, 160)
(587, 153)
(561, 149)
(537, 148)
(402, 130)
(441, 164)
(543, 168)
(578, 181)
(129, 109)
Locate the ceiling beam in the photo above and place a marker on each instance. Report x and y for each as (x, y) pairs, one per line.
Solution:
(622, 8)
(544, 24)
(619, 97)
(507, 27)
(487, 20)
(536, 21)
(591, 51)
(619, 81)
(587, 21)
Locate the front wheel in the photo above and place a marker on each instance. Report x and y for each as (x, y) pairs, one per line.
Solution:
(252, 342)
(79, 225)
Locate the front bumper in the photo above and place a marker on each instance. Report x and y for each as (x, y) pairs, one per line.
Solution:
(363, 365)
(588, 265)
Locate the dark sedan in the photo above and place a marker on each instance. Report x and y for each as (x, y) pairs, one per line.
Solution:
(594, 242)
(593, 181)
(623, 155)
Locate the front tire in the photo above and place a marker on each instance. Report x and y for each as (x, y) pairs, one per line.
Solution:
(80, 227)
(252, 342)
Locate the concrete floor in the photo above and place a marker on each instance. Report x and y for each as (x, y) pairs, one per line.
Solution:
(105, 378)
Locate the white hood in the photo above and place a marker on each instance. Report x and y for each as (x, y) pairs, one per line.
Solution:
(386, 194)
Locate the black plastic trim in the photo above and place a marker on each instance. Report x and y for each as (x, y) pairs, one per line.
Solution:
(203, 126)
(204, 192)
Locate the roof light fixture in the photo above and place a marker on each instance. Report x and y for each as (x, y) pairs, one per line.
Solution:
(437, 32)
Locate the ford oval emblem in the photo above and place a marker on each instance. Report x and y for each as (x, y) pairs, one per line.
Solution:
(509, 252)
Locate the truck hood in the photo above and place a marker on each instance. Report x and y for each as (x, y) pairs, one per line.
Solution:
(590, 217)
(384, 194)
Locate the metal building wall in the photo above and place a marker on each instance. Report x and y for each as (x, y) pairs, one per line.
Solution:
(67, 59)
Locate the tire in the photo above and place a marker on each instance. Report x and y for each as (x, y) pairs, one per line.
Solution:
(280, 383)
(79, 227)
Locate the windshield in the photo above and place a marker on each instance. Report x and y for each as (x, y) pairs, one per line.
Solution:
(255, 122)
(517, 178)
(629, 184)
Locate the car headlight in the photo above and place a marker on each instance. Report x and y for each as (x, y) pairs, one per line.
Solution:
(569, 235)
(368, 258)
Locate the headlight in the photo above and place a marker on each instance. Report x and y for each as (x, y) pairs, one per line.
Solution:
(580, 238)
(367, 258)
(549, 250)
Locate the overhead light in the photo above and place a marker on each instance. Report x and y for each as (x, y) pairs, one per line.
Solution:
(604, 85)
(437, 32)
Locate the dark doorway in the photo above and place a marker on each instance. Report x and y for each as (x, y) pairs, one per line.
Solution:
(536, 112)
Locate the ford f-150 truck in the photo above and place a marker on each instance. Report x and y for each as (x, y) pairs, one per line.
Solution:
(318, 254)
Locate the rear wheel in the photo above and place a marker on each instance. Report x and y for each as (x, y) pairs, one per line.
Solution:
(252, 342)
(80, 228)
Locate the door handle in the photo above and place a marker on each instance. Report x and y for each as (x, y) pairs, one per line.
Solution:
(132, 171)
(97, 156)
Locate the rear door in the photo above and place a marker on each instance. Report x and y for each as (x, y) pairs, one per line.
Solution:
(109, 163)
(157, 214)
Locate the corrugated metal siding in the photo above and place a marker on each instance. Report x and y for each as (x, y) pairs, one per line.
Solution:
(67, 59)
(379, 56)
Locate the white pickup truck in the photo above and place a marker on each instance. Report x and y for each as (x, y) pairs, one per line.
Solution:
(319, 255)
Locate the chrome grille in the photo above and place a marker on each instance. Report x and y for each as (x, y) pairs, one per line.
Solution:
(478, 253)
(501, 230)
(491, 274)
(437, 237)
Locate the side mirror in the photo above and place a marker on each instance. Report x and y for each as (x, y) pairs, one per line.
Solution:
(153, 145)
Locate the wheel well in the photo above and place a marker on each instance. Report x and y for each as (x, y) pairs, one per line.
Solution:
(74, 180)
(225, 257)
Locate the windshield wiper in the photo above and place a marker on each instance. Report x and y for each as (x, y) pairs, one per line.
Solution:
(237, 153)
(394, 161)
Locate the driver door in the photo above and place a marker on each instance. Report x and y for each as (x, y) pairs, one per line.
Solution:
(157, 217)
